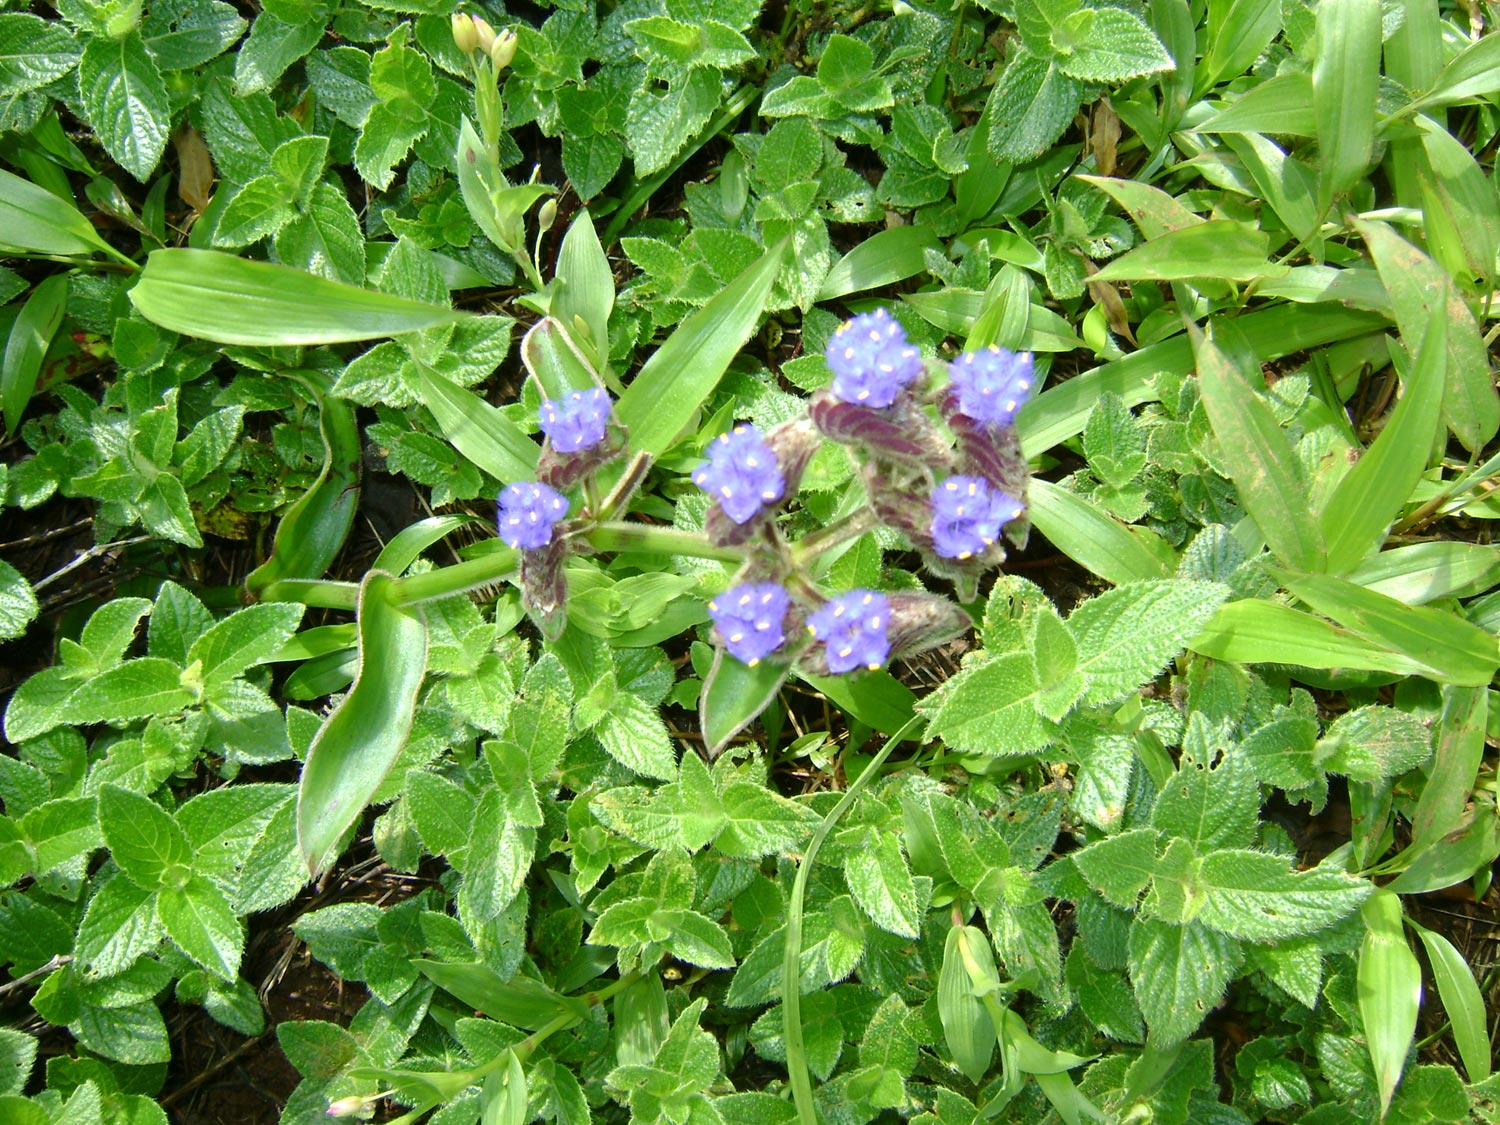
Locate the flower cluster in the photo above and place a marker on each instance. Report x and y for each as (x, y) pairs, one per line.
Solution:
(741, 474)
(854, 629)
(528, 511)
(871, 361)
(991, 385)
(577, 421)
(968, 514)
(751, 620)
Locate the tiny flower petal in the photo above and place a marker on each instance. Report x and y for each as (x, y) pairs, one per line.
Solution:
(871, 360)
(853, 628)
(968, 514)
(751, 619)
(991, 385)
(527, 512)
(741, 473)
(576, 421)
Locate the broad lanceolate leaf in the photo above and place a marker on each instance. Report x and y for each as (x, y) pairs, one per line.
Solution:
(677, 380)
(1252, 631)
(204, 925)
(1390, 991)
(1259, 457)
(125, 101)
(1256, 896)
(1179, 974)
(358, 744)
(477, 430)
(1218, 249)
(234, 301)
(1126, 636)
(144, 840)
(34, 221)
(30, 336)
(1345, 82)
(1461, 1000)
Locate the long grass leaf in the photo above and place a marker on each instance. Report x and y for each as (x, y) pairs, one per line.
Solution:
(1345, 82)
(477, 430)
(1096, 540)
(1461, 1000)
(1251, 631)
(1389, 986)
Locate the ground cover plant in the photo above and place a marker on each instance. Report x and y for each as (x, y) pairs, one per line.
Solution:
(689, 561)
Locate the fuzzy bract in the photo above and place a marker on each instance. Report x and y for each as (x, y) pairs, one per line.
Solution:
(751, 619)
(992, 384)
(871, 361)
(968, 514)
(528, 511)
(854, 629)
(741, 473)
(576, 421)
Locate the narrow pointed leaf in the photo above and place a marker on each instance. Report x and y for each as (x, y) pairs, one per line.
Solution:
(1345, 82)
(477, 430)
(1461, 1000)
(1390, 989)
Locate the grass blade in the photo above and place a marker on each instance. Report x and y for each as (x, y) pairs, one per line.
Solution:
(1458, 752)
(35, 221)
(675, 382)
(358, 744)
(1265, 469)
(1372, 494)
(1461, 1000)
(477, 430)
(30, 337)
(1221, 249)
(888, 256)
(233, 300)
(1389, 989)
(1096, 540)
(1260, 632)
(1345, 82)
(583, 292)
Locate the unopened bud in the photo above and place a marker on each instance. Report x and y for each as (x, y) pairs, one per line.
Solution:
(351, 1106)
(503, 49)
(486, 34)
(546, 215)
(465, 36)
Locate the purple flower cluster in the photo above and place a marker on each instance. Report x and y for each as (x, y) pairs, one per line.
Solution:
(871, 361)
(577, 421)
(991, 385)
(751, 620)
(853, 627)
(741, 473)
(968, 514)
(528, 511)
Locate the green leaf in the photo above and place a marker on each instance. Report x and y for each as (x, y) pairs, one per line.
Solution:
(761, 823)
(233, 301)
(18, 604)
(734, 694)
(1389, 991)
(1099, 542)
(325, 238)
(1259, 457)
(1029, 108)
(33, 52)
(117, 928)
(30, 336)
(1179, 974)
(1118, 46)
(882, 886)
(1119, 867)
(1256, 896)
(443, 811)
(1373, 743)
(125, 102)
(1372, 494)
(17, 1056)
(583, 292)
(34, 221)
(1345, 84)
(1473, 71)
(989, 709)
(674, 383)
(660, 123)
(242, 639)
(887, 256)
(967, 1028)
(1252, 631)
(1217, 249)
(204, 925)
(133, 690)
(1462, 1001)
(143, 839)
(258, 210)
(358, 744)
(62, 829)
(633, 734)
(477, 430)
(1127, 635)
(698, 940)
(135, 1035)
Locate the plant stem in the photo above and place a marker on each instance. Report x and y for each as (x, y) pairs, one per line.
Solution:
(621, 536)
(852, 526)
(791, 960)
(456, 579)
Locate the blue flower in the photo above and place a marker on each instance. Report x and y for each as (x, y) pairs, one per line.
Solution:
(751, 619)
(968, 514)
(741, 473)
(853, 628)
(577, 420)
(871, 360)
(992, 384)
(527, 513)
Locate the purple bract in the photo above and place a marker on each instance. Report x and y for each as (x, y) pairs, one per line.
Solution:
(751, 620)
(991, 385)
(577, 420)
(741, 473)
(871, 360)
(968, 514)
(528, 511)
(853, 629)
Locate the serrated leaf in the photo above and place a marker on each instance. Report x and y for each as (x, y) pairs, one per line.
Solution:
(143, 839)
(18, 604)
(204, 925)
(989, 709)
(133, 690)
(1117, 47)
(125, 102)
(242, 639)
(882, 886)
(634, 735)
(1127, 635)
(1372, 743)
(258, 210)
(325, 238)
(1256, 896)
(33, 52)
(1119, 867)
(1179, 974)
(1030, 107)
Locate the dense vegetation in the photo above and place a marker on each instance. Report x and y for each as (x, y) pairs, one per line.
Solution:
(733, 774)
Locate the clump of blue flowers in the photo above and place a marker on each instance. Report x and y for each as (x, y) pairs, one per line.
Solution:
(968, 514)
(528, 512)
(871, 360)
(854, 629)
(751, 620)
(991, 385)
(577, 421)
(741, 474)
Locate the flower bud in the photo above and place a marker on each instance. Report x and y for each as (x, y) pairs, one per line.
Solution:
(898, 433)
(544, 587)
(485, 34)
(503, 49)
(352, 1106)
(546, 214)
(465, 36)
